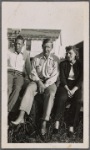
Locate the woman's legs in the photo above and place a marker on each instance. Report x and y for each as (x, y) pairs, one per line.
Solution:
(61, 98)
(76, 104)
(59, 106)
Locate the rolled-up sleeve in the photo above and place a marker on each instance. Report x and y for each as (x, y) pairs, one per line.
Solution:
(34, 76)
(54, 75)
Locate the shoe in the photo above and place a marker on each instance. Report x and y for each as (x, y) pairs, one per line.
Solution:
(55, 131)
(17, 123)
(56, 127)
(43, 135)
(71, 131)
(43, 131)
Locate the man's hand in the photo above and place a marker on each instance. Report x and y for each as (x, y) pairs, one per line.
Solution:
(41, 86)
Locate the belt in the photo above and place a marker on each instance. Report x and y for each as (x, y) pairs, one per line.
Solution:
(16, 72)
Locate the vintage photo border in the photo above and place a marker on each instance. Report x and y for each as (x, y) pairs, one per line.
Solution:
(2, 68)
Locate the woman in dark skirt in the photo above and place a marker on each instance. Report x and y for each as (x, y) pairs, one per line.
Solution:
(70, 87)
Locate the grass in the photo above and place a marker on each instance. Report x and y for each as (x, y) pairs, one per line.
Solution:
(29, 132)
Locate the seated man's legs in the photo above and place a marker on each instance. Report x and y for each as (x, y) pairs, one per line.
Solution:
(27, 102)
(18, 82)
(28, 98)
(10, 83)
(49, 95)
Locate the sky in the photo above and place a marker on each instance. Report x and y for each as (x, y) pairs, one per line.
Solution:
(66, 16)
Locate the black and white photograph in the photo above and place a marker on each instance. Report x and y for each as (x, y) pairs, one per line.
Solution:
(45, 74)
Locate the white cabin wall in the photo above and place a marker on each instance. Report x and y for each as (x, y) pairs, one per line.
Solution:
(36, 47)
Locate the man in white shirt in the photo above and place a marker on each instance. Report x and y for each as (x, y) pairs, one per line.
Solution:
(18, 64)
(44, 74)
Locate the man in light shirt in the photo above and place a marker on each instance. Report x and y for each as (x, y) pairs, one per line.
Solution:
(18, 64)
(44, 74)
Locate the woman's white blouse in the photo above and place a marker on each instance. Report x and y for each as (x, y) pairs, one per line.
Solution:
(71, 73)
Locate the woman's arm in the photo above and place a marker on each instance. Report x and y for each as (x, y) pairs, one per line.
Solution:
(80, 76)
(63, 80)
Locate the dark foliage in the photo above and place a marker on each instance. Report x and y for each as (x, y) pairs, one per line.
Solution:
(29, 132)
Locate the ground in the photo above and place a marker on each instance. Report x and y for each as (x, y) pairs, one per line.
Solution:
(29, 132)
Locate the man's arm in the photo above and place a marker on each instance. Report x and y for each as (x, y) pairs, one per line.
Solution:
(33, 75)
(8, 57)
(28, 65)
(54, 75)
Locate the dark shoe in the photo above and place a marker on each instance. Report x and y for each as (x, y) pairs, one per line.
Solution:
(71, 132)
(55, 131)
(12, 126)
(43, 131)
(43, 136)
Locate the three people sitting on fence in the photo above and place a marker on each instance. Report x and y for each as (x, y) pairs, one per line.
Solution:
(43, 74)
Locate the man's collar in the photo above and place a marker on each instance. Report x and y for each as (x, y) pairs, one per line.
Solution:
(22, 51)
(15, 52)
(50, 56)
(19, 53)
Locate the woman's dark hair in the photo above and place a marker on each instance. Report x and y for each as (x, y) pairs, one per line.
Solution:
(74, 48)
(19, 37)
(47, 41)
